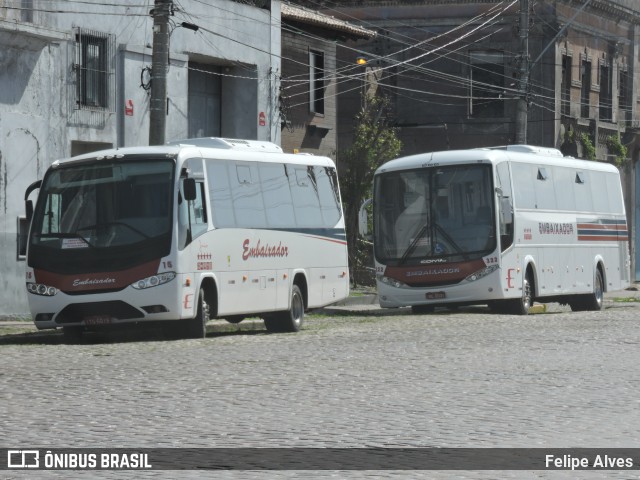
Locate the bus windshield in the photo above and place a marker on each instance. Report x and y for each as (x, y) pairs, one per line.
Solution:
(437, 214)
(102, 216)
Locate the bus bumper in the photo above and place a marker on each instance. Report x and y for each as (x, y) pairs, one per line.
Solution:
(478, 292)
(126, 306)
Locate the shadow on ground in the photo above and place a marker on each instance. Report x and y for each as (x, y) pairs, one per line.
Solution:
(16, 334)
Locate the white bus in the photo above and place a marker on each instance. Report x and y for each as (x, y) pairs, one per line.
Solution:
(205, 228)
(504, 227)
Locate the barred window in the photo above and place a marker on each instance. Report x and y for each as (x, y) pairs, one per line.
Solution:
(585, 78)
(316, 82)
(605, 100)
(624, 105)
(565, 87)
(94, 70)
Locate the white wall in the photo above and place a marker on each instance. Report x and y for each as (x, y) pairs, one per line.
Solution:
(37, 96)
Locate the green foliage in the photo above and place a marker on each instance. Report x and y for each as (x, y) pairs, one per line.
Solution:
(618, 149)
(588, 149)
(375, 141)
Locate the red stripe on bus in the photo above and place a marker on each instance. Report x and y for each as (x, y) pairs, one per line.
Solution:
(597, 226)
(603, 238)
(341, 242)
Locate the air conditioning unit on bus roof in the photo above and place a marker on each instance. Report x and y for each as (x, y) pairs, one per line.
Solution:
(230, 144)
(550, 152)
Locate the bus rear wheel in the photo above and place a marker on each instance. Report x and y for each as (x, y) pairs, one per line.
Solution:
(234, 318)
(290, 320)
(591, 301)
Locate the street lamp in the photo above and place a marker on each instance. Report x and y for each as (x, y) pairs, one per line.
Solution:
(190, 26)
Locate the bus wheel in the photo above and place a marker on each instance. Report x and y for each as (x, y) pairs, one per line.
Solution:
(499, 306)
(520, 306)
(421, 309)
(198, 324)
(290, 320)
(72, 334)
(234, 318)
(591, 301)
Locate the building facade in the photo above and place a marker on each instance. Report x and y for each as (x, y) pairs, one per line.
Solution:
(76, 78)
(311, 74)
(457, 71)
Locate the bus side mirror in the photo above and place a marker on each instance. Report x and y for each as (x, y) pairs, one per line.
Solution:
(28, 204)
(189, 188)
(22, 229)
(506, 211)
(363, 221)
(28, 208)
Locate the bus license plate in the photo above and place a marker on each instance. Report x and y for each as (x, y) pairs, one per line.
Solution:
(435, 295)
(97, 320)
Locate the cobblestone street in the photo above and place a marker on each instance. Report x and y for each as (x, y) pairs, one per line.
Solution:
(354, 377)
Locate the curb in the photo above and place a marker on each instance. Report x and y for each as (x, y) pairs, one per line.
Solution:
(369, 299)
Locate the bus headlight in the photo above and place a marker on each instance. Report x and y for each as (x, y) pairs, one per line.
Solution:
(154, 280)
(41, 289)
(481, 273)
(392, 282)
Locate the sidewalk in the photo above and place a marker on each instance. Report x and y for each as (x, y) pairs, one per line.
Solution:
(632, 292)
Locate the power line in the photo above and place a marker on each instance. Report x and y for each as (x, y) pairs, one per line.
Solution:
(404, 67)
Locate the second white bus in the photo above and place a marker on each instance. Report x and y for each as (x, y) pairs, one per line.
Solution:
(202, 229)
(504, 227)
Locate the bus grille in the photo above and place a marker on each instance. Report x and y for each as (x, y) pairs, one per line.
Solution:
(113, 309)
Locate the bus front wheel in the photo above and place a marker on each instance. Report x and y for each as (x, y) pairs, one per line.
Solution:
(198, 324)
(422, 309)
(72, 334)
(290, 320)
(520, 306)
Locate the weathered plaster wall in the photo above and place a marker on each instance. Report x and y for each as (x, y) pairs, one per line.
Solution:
(37, 93)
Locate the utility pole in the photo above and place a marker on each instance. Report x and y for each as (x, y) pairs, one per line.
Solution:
(159, 64)
(522, 105)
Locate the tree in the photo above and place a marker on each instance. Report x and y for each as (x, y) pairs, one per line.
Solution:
(375, 142)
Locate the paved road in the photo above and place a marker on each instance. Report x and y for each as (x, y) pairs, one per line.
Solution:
(355, 377)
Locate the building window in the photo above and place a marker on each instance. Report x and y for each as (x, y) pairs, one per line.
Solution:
(585, 78)
(316, 81)
(26, 11)
(94, 70)
(565, 98)
(486, 80)
(624, 106)
(205, 100)
(605, 102)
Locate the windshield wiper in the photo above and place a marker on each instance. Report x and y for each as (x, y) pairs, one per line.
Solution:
(412, 246)
(450, 240)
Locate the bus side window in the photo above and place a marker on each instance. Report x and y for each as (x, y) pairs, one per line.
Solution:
(192, 216)
(505, 205)
(198, 212)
